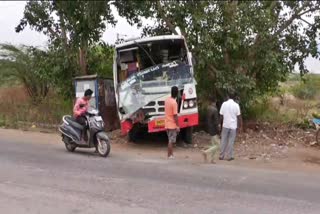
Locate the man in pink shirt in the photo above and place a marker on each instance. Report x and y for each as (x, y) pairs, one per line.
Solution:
(81, 107)
(171, 120)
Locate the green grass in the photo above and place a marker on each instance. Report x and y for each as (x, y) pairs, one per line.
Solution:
(308, 88)
(7, 81)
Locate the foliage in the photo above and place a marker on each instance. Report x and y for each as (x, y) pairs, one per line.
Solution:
(257, 108)
(28, 65)
(70, 25)
(100, 60)
(264, 111)
(246, 45)
(63, 69)
(308, 88)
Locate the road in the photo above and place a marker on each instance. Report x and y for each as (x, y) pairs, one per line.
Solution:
(37, 175)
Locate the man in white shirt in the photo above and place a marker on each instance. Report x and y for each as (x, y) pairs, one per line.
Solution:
(231, 121)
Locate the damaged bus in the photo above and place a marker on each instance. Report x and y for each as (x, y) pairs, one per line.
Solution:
(144, 71)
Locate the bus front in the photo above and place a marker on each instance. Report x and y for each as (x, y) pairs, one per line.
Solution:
(145, 70)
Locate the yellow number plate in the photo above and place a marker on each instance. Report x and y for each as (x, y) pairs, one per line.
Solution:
(159, 123)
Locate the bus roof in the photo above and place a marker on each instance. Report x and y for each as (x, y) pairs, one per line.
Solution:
(149, 39)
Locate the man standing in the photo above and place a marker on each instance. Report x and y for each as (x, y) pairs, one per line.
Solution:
(231, 121)
(212, 129)
(171, 120)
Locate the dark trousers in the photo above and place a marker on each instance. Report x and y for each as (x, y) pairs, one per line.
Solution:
(81, 120)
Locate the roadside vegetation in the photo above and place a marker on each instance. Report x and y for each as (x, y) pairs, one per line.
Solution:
(293, 104)
(233, 46)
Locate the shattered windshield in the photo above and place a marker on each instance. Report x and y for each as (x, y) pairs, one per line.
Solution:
(152, 83)
(169, 74)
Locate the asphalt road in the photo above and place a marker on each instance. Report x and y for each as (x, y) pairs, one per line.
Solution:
(37, 175)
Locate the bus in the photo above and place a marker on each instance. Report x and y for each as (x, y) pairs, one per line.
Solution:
(144, 71)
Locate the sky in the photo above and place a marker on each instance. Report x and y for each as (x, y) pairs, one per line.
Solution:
(12, 11)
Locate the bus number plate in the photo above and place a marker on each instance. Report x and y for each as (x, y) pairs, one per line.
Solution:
(159, 123)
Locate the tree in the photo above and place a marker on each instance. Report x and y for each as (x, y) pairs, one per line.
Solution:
(100, 60)
(28, 65)
(71, 25)
(246, 45)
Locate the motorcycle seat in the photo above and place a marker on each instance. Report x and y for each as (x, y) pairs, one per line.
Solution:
(74, 123)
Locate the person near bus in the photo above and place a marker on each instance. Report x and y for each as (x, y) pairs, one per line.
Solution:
(171, 120)
(231, 122)
(212, 125)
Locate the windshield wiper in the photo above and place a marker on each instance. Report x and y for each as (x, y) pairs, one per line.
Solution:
(145, 52)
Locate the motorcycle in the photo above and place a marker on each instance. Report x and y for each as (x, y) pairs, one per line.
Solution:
(72, 133)
(316, 122)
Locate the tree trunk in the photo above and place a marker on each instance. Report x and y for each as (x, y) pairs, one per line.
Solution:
(83, 61)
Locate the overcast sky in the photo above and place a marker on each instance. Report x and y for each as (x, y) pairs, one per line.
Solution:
(12, 11)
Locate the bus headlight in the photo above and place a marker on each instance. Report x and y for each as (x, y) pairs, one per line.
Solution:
(185, 104)
(191, 103)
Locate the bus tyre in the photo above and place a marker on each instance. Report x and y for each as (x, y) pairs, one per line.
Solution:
(187, 135)
(132, 135)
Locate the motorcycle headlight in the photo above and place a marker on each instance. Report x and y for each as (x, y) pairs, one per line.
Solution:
(185, 104)
(191, 103)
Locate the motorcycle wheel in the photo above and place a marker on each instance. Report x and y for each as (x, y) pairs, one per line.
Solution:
(69, 146)
(103, 146)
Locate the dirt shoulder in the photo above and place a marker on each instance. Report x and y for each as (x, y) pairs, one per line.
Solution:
(267, 154)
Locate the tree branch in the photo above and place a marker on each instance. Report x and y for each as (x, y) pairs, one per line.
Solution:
(273, 5)
(298, 13)
(310, 10)
(213, 68)
(51, 31)
(168, 22)
(305, 21)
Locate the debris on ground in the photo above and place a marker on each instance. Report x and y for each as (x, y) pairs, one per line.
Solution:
(265, 141)
(116, 137)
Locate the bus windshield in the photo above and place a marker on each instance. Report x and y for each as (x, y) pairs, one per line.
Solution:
(168, 74)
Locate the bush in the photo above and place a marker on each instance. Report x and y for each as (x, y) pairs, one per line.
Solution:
(291, 113)
(2, 121)
(304, 91)
(256, 108)
(308, 88)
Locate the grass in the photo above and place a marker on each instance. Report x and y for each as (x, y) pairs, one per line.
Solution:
(307, 88)
(16, 107)
(293, 105)
(292, 115)
(6, 80)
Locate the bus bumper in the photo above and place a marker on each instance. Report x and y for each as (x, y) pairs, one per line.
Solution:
(158, 125)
